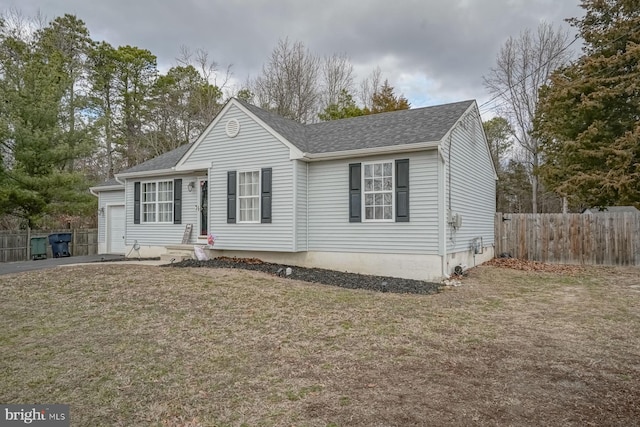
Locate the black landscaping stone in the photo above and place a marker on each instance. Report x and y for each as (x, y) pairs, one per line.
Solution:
(322, 276)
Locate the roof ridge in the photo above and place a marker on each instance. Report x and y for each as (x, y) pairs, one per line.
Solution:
(385, 113)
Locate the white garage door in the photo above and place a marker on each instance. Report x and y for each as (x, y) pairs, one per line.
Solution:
(115, 230)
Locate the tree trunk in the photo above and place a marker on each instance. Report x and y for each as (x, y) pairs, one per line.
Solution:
(534, 184)
(107, 135)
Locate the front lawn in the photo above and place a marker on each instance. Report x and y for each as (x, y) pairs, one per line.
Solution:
(127, 345)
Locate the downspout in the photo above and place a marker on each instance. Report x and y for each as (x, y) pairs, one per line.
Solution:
(307, 188)
(442, 233)
(294, 242)
(94, 193)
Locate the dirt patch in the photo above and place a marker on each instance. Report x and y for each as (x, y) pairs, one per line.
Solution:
(319, 275)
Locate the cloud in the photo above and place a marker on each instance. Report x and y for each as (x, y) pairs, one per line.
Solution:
(430, 50)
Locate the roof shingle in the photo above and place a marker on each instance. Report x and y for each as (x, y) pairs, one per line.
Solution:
(394, 128)
(163, 161)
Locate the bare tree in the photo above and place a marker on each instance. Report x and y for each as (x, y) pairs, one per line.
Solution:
(523, 65)
(369, 87)
(289, 82)
(208, 68)
(20, 26)
(337, 75)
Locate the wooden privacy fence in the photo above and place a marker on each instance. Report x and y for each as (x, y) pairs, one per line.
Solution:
(15, 244)
(598, 239)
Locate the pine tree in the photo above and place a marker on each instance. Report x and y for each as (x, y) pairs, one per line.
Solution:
(35, 180)
(385, 100)
(344, 108)
(587, 117)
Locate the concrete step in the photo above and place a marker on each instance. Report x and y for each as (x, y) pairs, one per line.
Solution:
(177, 253)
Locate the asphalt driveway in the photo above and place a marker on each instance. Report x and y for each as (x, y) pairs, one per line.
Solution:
(20, 266)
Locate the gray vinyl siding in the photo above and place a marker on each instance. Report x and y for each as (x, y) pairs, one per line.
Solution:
(162, 234)
(329, 226)
(252, 149)
(107, 198)
(472, 186)
(301, 205)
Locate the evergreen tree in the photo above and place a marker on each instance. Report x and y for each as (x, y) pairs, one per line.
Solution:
(587, 118)
(385, 100)
(344, 108)
(35, 180)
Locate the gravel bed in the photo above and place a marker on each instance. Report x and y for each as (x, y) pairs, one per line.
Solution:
(322, 276)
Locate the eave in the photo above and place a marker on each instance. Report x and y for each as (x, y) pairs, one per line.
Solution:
(392, 149)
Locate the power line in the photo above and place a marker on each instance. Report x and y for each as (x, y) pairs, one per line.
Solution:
(484, 104)
(509, 87)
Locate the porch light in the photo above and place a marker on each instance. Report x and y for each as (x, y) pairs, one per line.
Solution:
(190, 186)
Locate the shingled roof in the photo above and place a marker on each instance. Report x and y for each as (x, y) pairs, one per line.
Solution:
(293, 131)
(108, 183)
(396, 128)
(163, 161)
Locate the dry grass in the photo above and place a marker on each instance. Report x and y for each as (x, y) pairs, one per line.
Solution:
(128, 345)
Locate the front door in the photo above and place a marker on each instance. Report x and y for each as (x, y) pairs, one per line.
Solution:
(204, 206)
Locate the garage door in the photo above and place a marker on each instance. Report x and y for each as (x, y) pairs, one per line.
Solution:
(115, 230)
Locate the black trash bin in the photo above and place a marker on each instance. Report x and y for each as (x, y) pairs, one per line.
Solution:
(60, 244)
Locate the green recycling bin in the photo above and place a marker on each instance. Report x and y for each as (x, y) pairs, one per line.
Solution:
(38, 248)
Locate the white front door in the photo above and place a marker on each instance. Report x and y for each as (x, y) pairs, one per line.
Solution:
(115, 230)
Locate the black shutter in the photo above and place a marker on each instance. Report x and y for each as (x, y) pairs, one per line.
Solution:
(231, 197)
(265, 196)
(402, 190)
(355, 193)
(136, 202)
(177, 201)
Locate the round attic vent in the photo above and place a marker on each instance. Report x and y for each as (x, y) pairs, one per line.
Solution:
(232, 128)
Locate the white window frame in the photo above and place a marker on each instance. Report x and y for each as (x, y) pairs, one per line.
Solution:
(258, 196)
(392, 191)
(156, 203)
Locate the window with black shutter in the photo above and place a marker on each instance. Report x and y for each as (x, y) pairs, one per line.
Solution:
(355, 193)
(231, 197)
(402, 190)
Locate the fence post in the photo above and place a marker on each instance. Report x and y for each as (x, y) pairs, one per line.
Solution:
(73, 243)
(28, 243)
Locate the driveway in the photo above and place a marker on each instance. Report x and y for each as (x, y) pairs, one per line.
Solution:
(20, 266)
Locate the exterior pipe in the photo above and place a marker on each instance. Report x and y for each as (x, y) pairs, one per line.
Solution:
(442, 236)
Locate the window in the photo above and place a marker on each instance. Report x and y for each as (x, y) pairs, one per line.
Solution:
(249, 196)
(157, 201)
(378, 191)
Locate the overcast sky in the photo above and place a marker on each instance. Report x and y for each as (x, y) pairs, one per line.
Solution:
(432, 51)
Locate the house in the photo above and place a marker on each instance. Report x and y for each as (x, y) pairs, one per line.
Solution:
(407, 193)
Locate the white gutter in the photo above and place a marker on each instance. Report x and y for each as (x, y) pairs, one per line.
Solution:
(442, 215)
(371, 151)
(171, 171)
(307, 226)
(95, 190)
(193, 167)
